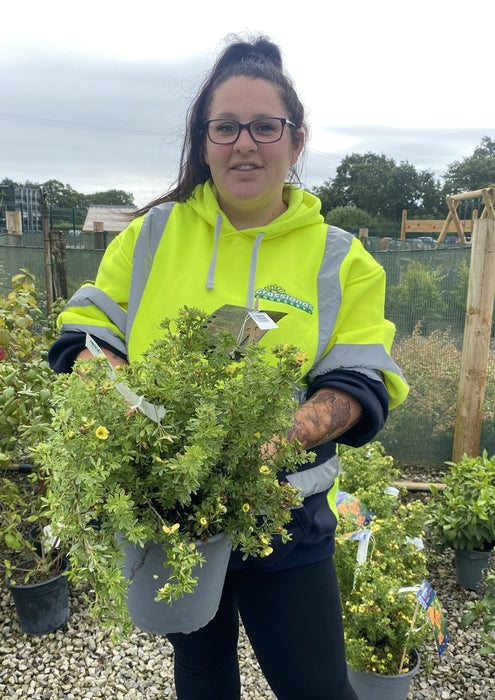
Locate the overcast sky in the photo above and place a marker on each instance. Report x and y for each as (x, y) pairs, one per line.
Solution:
(94, 94)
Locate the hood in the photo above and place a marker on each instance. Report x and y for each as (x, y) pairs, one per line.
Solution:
(303, 210)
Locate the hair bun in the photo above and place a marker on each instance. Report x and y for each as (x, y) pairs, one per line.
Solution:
(261, 49)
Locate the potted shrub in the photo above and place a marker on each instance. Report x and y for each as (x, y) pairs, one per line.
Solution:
(25, 376)
(169, 480)
(380, 618)
(463, 515)
(484, 607)
(34, 567)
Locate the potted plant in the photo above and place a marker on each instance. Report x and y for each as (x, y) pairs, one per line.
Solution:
(462, 515)
(484, 607)
(380, 610)
(168, 454)
(25, 375)
(34, 566)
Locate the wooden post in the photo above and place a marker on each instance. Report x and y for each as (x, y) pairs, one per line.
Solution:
(403, 225)
(45, 224)
(59, 264)
(476, 346)
(98, 227)
(363, 237)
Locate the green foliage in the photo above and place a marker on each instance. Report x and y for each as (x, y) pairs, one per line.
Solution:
(377, 614)
(382, 188)
(346, 217)
(25, 376)
(199, 470)
(463, 514)
(484, 608)
(432, 366)
(418, 298)
(62, 195)
(366, 473)
(20, 509)
(473, 172)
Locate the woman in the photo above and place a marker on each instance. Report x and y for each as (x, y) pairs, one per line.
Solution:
(233, 232)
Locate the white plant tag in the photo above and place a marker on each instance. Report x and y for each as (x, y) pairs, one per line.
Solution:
(262, 320)
(155, 413)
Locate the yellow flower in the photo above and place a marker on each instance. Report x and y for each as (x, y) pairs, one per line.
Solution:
(101, 432)
(204, 521)
(192, 546)
(264, 469)
(267, 551)
(264, 539)
(170, 530)
(245, 508)
(300, 357)
(257, 435)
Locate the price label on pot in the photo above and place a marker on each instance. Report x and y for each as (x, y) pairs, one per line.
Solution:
(427, 597)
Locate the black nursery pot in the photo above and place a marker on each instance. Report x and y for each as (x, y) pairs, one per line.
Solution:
(42, 607)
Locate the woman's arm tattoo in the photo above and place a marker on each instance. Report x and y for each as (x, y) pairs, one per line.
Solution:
(324, 416)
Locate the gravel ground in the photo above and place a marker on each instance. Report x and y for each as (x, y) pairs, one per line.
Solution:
(80, 662)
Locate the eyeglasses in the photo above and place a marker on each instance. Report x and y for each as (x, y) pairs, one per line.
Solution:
(227, 131)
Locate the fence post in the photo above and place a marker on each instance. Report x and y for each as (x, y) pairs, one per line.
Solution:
(363, 237)
(476, 344)
(45, 224)
(59, 264)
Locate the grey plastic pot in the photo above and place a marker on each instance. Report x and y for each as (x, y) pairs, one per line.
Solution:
(469, 566)
(376, 686)
(144, 569)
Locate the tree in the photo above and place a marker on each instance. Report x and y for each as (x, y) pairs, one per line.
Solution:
(66, 197)
(62, 196)
(346, 217)
(111, 197)
(473, 172)
(378, 185)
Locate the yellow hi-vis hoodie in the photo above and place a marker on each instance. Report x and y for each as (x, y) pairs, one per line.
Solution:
(330, 289)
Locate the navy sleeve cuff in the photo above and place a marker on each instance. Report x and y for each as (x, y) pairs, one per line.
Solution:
(63, 352)
(371, 395)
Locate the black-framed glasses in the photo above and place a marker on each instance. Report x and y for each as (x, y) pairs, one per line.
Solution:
(265, 130)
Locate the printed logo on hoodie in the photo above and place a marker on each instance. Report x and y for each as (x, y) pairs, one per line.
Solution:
(274, 292)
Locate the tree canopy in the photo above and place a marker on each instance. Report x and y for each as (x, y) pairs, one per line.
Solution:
(382, 188)
(473, 172)
(63, 195)
(378, 185)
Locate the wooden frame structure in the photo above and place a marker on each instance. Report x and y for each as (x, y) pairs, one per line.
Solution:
(488, 196)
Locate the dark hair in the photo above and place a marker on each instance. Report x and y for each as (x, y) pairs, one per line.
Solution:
(259, 58)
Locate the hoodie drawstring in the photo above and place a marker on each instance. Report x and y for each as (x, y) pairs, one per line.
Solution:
(252, 271)
(210, 280)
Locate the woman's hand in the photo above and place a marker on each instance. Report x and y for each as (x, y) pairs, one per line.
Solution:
(111, 356)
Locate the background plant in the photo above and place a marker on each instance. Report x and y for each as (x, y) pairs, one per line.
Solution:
(462, 515)
(25, 376)
(484, 608)
(377, 616)
(33, 559)
(198, 471)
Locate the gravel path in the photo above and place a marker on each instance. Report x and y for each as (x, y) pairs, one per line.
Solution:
(81, 663)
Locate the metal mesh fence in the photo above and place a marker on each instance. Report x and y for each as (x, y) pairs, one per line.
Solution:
(426, 299)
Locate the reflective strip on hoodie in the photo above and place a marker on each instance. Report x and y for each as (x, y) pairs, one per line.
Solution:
(149, 238)
(316, 479)
(92, 296)
(99, 333)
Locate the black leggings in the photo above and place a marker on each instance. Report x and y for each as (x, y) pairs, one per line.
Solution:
(293, 621)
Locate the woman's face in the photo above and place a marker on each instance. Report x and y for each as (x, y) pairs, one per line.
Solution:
(250, 176)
